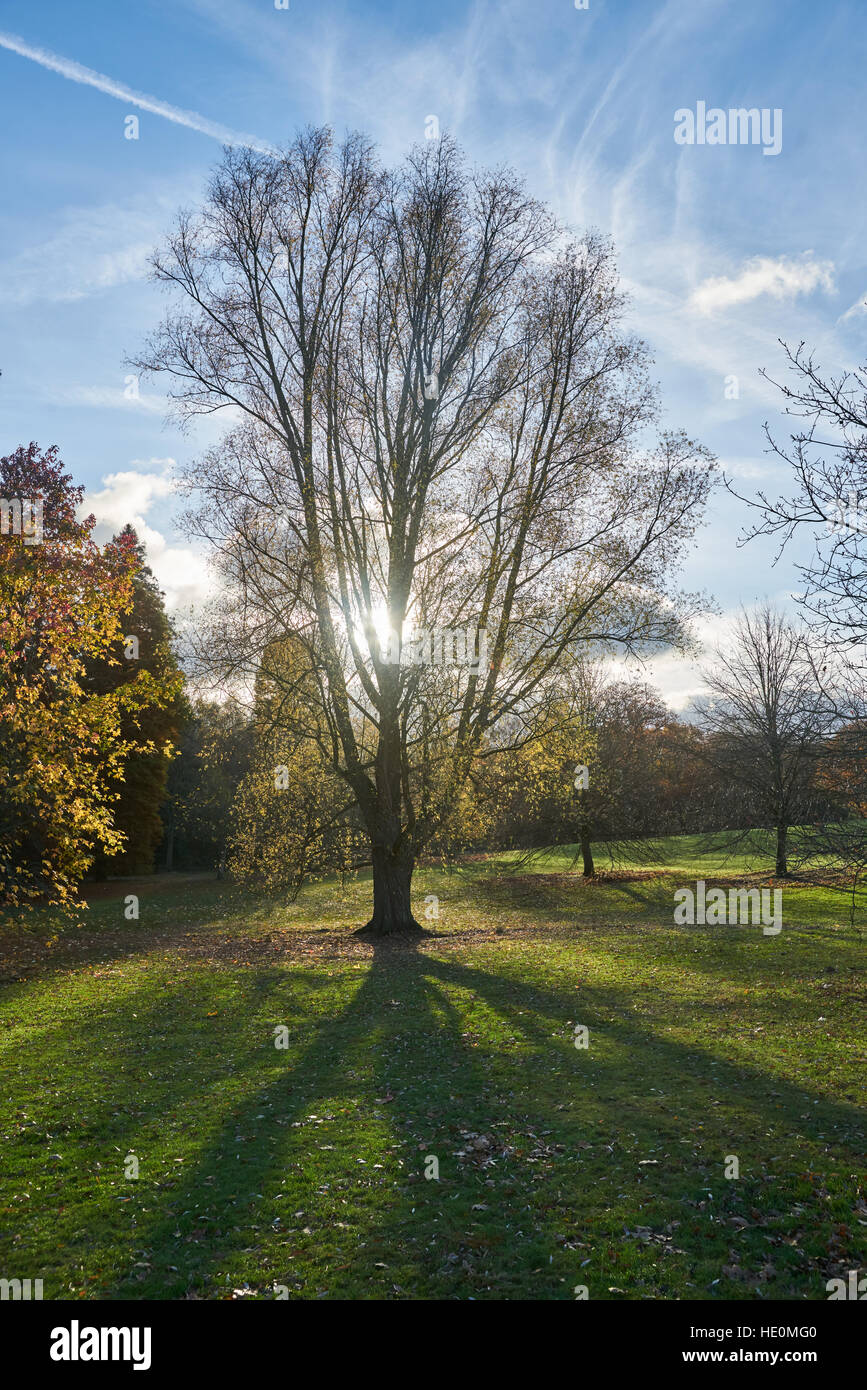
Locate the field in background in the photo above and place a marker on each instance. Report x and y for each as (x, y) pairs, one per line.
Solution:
(263, 1168)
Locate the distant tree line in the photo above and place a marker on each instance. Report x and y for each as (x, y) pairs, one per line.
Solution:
(613, 772)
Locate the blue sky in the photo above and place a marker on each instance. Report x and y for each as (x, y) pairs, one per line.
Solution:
(723, 249)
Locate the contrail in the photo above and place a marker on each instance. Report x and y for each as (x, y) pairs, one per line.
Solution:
(77, 73)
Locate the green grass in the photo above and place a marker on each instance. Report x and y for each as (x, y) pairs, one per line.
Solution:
(558, 1166)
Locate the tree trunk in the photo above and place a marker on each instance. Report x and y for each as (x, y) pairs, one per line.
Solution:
(392, 877)
(782, 869)
(170, 847)
(587, 852)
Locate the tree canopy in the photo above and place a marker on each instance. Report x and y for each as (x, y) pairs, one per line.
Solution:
(441, 428)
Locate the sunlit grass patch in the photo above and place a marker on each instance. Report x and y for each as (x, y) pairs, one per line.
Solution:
(302, 1167)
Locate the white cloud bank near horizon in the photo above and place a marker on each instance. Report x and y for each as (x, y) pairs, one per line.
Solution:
(679, 679)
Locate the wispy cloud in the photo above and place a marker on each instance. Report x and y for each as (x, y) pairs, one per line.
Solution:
(855, 310)
(781, 278)
(76, 72)
(93, 249)
(110, 398)
(750, 468)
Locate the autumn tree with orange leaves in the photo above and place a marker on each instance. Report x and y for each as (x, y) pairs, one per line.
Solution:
(62, 746)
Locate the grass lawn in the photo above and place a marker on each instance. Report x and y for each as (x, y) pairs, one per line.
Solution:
(304, 1168)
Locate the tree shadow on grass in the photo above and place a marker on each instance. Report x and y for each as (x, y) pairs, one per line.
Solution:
(534, 1140)
(543, 895)
(346, 1067)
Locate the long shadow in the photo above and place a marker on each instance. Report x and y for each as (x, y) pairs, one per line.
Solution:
(364, 1053)
(738, 1103)
(549, 902)
(426, 1232)
(347, 1061)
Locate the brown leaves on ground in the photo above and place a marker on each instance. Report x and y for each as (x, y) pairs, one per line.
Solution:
(572, 880)
(231, 944)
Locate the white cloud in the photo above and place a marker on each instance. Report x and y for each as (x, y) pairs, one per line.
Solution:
(679, 679)
(183, 576)
(781, 278)
(129, 496)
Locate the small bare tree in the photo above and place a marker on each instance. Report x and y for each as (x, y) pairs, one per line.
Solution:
(765, 722)
(438, 426)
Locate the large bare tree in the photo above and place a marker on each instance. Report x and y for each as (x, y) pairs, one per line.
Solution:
(438, 424)
(827, 457)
